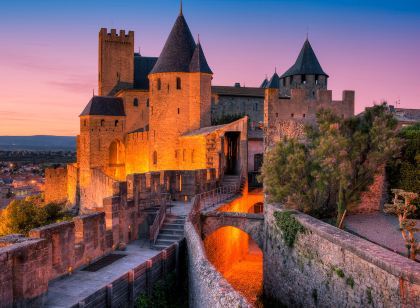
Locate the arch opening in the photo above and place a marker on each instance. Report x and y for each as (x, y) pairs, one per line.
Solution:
(237, 257)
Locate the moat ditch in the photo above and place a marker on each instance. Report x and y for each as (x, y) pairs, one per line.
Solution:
(235, 254)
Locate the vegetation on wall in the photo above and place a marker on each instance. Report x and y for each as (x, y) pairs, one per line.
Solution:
(21, 216)
(326, 173)
(289, 227)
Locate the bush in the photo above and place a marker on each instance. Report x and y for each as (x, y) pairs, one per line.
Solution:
(21, 216)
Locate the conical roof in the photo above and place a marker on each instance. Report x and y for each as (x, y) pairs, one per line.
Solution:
(306, 63)
(198, 62)
(264, 83)
(274, 82)
(178, 50)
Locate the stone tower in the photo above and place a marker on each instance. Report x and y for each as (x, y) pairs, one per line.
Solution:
(116, 59)
(180, 95)
(306, 74)
(101, 143)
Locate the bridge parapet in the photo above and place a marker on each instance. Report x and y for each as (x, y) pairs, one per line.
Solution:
(252, 224)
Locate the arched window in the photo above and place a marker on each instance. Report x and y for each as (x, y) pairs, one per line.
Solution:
(154, 157)
(159, 84)
(178, 83)
(102, 122)
(136, 102)
(116, 123)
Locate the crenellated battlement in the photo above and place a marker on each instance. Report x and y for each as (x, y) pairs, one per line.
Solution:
(115, 36)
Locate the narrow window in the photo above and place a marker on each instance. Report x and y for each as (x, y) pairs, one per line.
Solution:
(304, 79)
(116, 123)
(277, 115)
(102, 122)
(178, 83)
(84, 123)
(154, 157)
(256, 106)
(147, 103)
(136, 102)
(184, 152)
(292, 115)
(176, 154)
(159, 84)
(192, 156)
(304, 115)
(178, 110)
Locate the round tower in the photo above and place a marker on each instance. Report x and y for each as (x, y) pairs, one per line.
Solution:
(306, 74)
(180, 95)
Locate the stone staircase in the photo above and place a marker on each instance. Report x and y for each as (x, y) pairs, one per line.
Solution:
(172, 231)
(231, 180)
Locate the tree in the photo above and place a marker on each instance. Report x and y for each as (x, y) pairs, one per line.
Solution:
(403, 207)
(337, 162)
(21, 216)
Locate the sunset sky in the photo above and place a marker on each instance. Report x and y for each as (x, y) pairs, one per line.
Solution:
(48, 50)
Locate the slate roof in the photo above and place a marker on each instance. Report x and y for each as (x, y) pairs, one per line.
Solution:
(178, 50)
(120, 86)
(198, 61)
(142, 68)
(204, 131)
(306, 63)
(264, 83)
(237, 91)
(104, 106)
(274, 82)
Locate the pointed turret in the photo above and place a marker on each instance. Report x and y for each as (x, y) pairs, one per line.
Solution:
(178, 50)
(306, 63)
(264, 83)
(274, 82)
(198, 62)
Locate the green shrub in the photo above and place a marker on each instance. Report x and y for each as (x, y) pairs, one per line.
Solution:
(289, 226)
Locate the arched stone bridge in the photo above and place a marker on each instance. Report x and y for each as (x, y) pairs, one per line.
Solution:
(252, 224)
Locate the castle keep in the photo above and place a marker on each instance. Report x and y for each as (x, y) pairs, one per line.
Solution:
(162, 117)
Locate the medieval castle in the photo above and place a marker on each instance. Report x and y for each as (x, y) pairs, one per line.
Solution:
(163, 115)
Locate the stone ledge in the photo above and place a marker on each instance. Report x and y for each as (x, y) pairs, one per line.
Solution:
(389, 261)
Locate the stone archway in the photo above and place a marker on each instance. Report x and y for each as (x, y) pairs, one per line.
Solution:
(252, 224)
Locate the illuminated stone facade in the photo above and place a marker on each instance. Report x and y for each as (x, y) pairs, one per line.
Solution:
(162, 113)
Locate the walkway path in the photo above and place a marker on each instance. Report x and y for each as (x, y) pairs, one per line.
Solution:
(380, 228)
(70, 290)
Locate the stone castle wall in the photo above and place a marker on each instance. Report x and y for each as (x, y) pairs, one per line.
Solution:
(328, 267)
(287, 116)
(56, 183)
(137, 116)
(137, 152)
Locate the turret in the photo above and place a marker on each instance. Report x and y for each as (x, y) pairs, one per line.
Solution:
(306, 74)
(180, 95)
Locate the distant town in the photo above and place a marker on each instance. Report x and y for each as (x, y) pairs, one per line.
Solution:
(22, 173)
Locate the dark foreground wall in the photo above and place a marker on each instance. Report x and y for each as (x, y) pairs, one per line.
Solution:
(328, 267)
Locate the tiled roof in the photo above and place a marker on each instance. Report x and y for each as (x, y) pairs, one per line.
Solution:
(142, 68)
(237, 91)
(306, 63)
(274, 82)
(178, 50)
(104, 106)
(198, 62)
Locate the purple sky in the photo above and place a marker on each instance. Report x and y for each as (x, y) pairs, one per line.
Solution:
(48, 53)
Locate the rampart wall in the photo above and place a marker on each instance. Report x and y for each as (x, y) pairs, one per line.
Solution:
(328, 267)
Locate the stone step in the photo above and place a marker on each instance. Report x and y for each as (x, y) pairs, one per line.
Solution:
(159, 247)
(173, 226)
(171, 231)
(164, 242)
(170, 237)
(174, 221)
